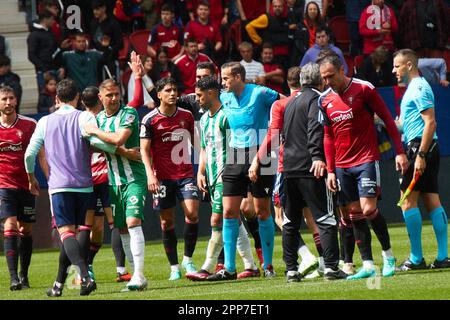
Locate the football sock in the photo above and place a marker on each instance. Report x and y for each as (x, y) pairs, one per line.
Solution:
(93, 250)
(221, 257)
(380, 228)
(215, 245)
(63, 267)
(440, 226)
(73, 251)
(305, 253)
(190, 238)
(267, 233)
(362, 233)
(368, 264)
(253, 228)
(125, 239)
(318, 244)
(347, 240)
(84, 239)
(25, 247)
(230, 235)
(116, 245)
(170, 245)
(244, 248)
(10, 249)
(413, 221)
(137, 245)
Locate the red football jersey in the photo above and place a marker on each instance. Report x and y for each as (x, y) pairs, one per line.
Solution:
(99, 168)
(203, 33)
(350, 135)
(171, 138)
(276, 128)
(14, 141)
(253, 8)
(269, 67)
(188, 68)
(169, 37)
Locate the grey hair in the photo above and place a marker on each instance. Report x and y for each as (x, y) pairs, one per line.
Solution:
(310, 75)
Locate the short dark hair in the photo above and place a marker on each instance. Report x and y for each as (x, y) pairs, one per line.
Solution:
(108, 83)
(324, 52)
(203, 3)
(66, 90)
(207, 65)
(7, 89)
(266, 45)
(293, 77)
(79, 33)
(321, 28)
(98, 3)
(236, 69)
(190, 40)
(164, 82)
(4, 61)
(89, 96)
(331, 58)
(167, 7)
(45, 14)
(409, 54)
(208, 83)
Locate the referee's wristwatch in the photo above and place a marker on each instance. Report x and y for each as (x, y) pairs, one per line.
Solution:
(422, 154)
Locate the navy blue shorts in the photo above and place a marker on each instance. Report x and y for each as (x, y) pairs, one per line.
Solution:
(69, 208)
(100, 199)
(362, 181)
(172, 190)
(17, 203)
(278, 197)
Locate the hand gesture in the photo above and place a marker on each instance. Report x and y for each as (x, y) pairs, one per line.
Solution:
(153, 184)
(318, 168)
(201, 182)
(332, 182)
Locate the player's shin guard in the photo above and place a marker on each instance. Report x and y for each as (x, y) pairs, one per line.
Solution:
(253, 228)
(73, 251)
(380, 228)
(267, 233)
(215, 246)
(116, 245)
(230, 235)
(347, 240)
(190, 238)
(170, 246)
(363, 236)
(84, 239)
(413, 221)
(244, 249)
(137, 245)
(25, 246)
(125, 238)
(440, 226)
(11, 252)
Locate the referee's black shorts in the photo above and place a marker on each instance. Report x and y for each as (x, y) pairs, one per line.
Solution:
(235, 175)
(428, 181)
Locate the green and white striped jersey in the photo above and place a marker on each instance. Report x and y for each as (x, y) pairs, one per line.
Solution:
(214, 141)
(120, 169)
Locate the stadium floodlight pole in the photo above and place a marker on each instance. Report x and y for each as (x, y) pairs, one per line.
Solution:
(409, 189)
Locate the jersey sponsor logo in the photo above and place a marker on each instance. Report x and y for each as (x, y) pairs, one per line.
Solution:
(160, 127)
(329, 106)
(134, 200)
(338, 116)
(6, 146)
(172, 137)
(267, 190)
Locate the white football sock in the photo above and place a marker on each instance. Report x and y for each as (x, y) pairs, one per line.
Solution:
(387, 254)
(187, 259)
(305, 254)
(126, 248)
(244, 249)
(368, 264)
(137, 245)
(121, 270)
(215, 245)
(175, 267)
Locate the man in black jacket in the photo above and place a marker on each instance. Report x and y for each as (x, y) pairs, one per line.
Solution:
(9, 78)
(304, 169)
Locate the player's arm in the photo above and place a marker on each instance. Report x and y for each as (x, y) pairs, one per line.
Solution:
(43, 162)
(429, 120)
(36, 142)
(315, 141)
(152, 181)
(201, 174)
(138, 70)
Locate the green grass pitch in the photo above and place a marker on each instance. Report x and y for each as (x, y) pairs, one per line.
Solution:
(427, 284)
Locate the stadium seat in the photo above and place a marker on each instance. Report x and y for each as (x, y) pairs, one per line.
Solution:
(139, 40)
(125, 78)
(359, 60)
(338, 25)
(123, 53)
(350, 64)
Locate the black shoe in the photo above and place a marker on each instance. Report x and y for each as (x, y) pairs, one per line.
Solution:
(222, 275)
(293, 276)
(407, 265)
(440, 264)
(335, 275)
(55, 291)
(15, 284)
(87, 286)
(24, 282)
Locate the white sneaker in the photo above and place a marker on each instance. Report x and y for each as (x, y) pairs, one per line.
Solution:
(136, 284)
(348, 268)
(306, 266)
(313, 275)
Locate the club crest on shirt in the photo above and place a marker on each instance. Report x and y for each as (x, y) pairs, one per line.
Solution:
(129, 118)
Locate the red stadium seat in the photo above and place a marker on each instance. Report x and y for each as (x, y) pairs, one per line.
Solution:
(123, 53)
(139, 40)
(359, 60)
(125, 78)
(350, 64)
(339, 27)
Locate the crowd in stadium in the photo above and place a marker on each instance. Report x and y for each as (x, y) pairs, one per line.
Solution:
(229, 65)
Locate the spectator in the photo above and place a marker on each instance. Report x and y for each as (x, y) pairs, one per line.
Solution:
(149, 7)
(322, 5)
(46, 102)
(322, 43)
(166, 34)
(105, 28)
(165, 68)
(53, 7)
(377, 26)
(377, 68)
(295, 13)
(254, 71)
(312, 21)
(147, 84)
(353, 10)
(274, 74)
(275, 30)
(43, 49)
(434, 70)
(208, 37)
(187, 64)
(129, 15)
(424, 26)
(251, 9)
(81, 64)
(9, 78)
(218, 15)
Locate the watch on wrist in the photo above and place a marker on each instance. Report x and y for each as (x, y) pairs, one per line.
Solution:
(422, 154)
